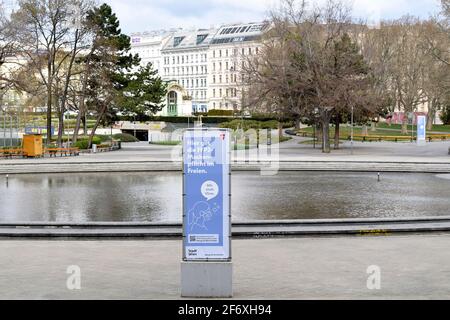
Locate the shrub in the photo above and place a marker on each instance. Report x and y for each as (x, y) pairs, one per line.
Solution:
(253, 124)
(220, 113)
(83, 143)
(445, 115)
(125, 137)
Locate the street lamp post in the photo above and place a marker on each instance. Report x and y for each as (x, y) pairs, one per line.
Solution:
(351, 143)
(10, 130)
(314, 130)
(4, 129)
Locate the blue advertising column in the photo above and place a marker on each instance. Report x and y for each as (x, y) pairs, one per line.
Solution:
(206, 269)
(421, 130)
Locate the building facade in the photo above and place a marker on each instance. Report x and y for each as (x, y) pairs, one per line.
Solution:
(205, 65)
(185, 62)
(149, 46)
(228, 51)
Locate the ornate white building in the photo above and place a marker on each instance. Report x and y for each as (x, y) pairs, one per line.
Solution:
(185, 61)
(204, 64)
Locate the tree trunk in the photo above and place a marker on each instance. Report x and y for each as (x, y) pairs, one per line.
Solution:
(319, 133)
(85, 127)
(60, 128)
(431, 115)
(326, 118)
(326, 148)
(280, 131)
(373, 126)
(97, 123)
(298, 124)
(405, 126)
(49, 109)
(430, 121)
(77, 128)
(337, 135)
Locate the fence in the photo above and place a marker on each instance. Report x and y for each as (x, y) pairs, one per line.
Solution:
(9, 132)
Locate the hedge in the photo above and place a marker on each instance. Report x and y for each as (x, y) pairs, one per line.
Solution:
(83, 143)
(253, 124)
(125, 137)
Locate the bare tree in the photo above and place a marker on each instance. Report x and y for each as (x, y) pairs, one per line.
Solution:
(309, 65)
(48, 39)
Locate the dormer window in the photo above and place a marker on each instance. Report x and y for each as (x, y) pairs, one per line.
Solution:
(201, 38)
(177, 41)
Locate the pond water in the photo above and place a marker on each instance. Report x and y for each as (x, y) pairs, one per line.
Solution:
(156, 197)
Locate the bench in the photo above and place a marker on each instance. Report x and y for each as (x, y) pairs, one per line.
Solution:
(441, 137)
(9, 153)
(53, 152)
(382, 138)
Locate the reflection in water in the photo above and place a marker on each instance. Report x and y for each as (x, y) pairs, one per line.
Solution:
(156, 197)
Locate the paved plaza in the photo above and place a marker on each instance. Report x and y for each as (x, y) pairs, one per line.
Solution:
(288, 151)
(412, 267)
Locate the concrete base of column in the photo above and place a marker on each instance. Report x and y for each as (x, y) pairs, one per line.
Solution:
(206, 279)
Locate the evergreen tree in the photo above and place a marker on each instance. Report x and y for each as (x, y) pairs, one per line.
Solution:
(115, 82)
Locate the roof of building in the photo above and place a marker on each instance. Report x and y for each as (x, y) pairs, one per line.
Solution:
(190, 39)
(240, 32)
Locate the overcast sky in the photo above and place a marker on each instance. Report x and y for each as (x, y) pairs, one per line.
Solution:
(141, 15)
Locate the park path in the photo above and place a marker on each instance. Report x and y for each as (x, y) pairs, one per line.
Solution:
(411, 267)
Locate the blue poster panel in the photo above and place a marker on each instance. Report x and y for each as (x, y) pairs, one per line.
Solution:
(206, 195)
(421, 128)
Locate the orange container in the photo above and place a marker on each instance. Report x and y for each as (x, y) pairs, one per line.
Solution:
(32, 145)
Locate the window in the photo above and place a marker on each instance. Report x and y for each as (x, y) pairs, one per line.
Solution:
(201, 38)
(172, 98)
(214, 93)
(214, 79)
(226, 68)
(177, 41)
(220, 79)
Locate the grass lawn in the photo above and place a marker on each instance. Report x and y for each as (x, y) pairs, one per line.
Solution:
(436, 128)
(345, 132)
(166, 143)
